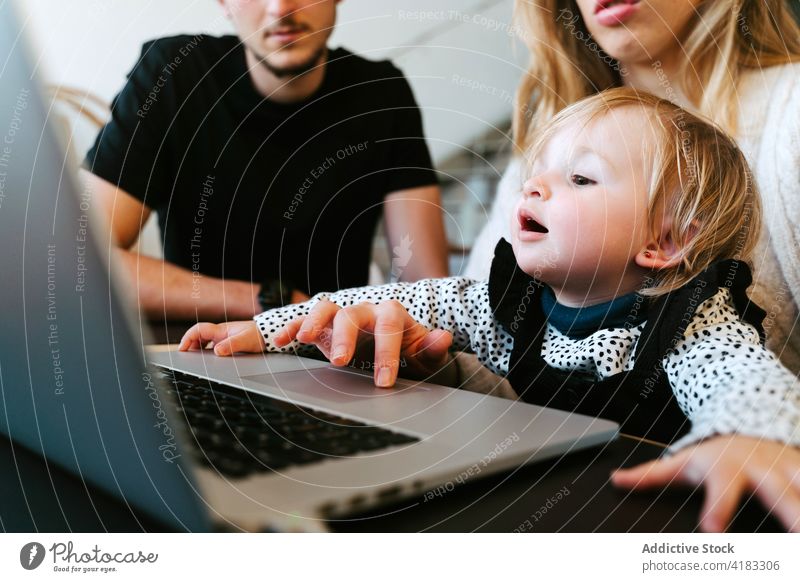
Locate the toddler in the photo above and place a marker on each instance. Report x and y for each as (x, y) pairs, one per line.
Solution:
(622, 294)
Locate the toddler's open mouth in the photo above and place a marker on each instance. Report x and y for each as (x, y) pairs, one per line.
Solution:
(529, 223)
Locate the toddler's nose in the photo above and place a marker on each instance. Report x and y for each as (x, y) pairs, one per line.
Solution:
(533, 188)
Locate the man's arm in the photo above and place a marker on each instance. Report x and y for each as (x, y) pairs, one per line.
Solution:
(415, 233)
(164, 289)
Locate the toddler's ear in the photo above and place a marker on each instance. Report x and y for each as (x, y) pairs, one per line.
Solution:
(661, 254)
(655, 258)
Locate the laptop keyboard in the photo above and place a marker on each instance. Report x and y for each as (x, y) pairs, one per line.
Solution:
(239, 433)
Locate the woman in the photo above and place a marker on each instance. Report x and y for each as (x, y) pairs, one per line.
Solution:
(736, 62)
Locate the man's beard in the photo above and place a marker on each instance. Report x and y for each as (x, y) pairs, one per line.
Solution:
(295, 70)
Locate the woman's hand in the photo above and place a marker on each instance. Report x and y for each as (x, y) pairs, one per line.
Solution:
(728, 466)
(228, 338)
(385, 332)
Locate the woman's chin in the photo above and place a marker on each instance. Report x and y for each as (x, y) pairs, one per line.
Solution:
(624, 46)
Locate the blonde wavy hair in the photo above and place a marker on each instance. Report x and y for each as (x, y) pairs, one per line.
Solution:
(699, 183)
(566, 64)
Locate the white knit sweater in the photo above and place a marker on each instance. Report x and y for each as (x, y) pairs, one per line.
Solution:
(769, 136)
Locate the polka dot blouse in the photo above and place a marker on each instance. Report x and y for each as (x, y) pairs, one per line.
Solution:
(724, 380)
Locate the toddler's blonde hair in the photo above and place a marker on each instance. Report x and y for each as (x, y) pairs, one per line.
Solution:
(699, 182)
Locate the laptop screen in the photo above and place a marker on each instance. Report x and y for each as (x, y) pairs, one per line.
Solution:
(74, 385)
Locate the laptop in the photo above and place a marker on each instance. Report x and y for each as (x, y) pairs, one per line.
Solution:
(255, 443)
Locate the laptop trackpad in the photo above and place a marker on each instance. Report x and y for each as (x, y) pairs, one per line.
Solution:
(334, 384)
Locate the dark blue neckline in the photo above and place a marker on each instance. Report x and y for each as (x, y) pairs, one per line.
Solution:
(579, 322)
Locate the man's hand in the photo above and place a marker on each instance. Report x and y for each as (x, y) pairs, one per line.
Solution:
(385, 331)
(728, 466)
(299, 296)
(227, 338)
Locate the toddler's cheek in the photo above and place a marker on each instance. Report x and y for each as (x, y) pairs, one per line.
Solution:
(515, 244)
(514, 222)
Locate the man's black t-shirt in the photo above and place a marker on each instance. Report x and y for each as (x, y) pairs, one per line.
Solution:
(247, 188)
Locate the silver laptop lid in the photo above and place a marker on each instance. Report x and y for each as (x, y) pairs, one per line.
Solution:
(74, 385)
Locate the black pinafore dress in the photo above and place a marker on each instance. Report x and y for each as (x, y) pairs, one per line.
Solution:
(641, 400)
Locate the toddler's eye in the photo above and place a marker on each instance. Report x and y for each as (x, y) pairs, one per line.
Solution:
(579, 180)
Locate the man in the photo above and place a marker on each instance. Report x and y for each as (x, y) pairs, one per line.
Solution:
(268, 159)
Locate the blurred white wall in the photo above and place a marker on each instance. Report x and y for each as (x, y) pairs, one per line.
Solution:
(458, 54)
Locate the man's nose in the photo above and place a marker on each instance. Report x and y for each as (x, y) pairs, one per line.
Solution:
(281, 8)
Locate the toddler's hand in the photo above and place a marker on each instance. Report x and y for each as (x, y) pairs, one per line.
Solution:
(342, 334)
(728, 466)
(228, 338)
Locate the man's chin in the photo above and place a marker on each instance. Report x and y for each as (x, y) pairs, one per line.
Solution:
(283, 66)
